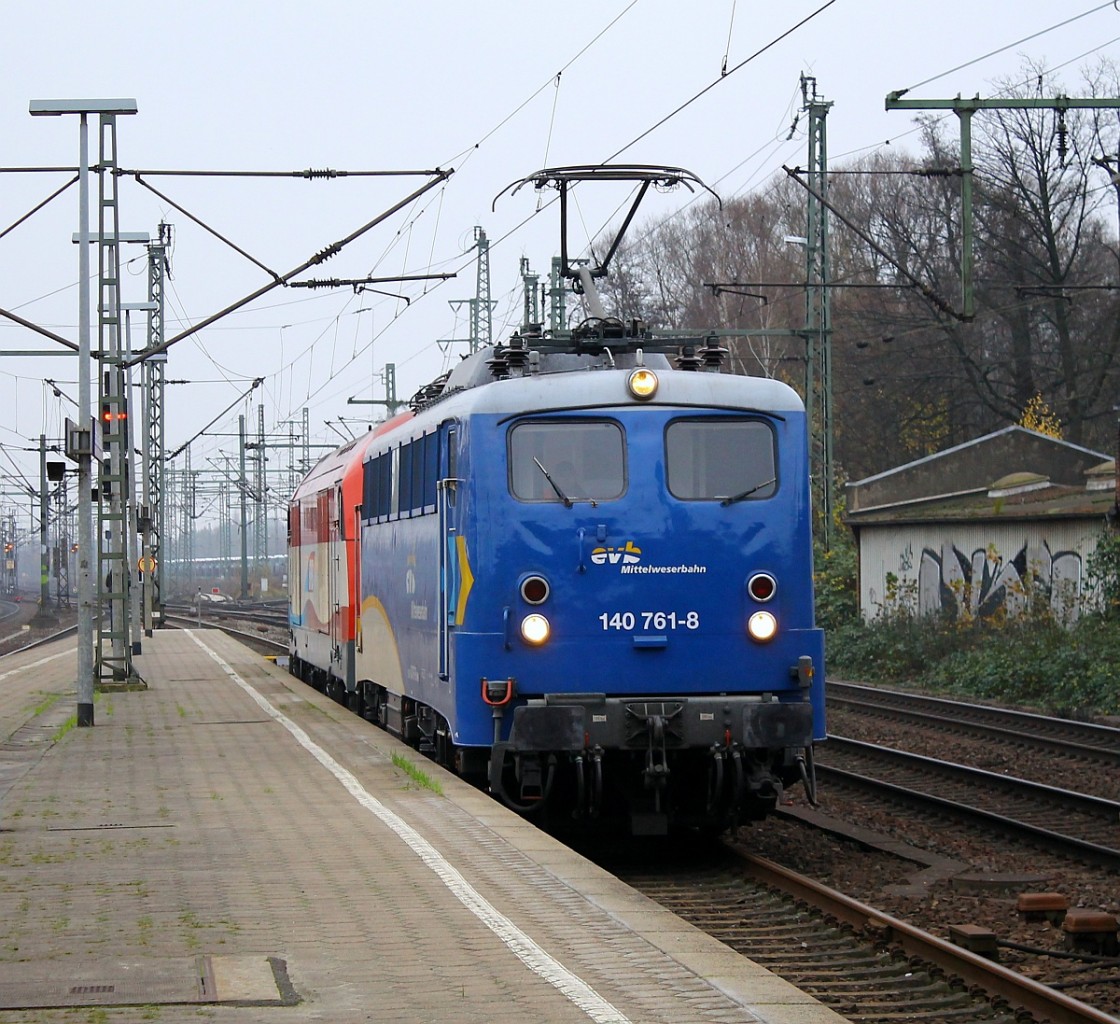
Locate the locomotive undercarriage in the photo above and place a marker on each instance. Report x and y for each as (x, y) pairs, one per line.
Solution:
(708, 790)
(696, 762)
(650, 766)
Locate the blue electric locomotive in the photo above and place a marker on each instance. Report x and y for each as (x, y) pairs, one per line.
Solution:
(584, 577)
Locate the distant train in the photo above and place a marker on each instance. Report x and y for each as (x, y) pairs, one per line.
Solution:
(578, 575)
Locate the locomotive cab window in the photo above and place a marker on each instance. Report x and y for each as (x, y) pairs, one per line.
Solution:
(724, 460)
(567, 461)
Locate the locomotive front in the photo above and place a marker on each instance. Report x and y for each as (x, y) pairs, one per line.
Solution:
(637, 641)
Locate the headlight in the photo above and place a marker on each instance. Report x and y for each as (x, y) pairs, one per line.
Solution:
(762, 626)
(535, 629)
(642, 383)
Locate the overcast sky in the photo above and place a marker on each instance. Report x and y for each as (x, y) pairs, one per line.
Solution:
(494, 89)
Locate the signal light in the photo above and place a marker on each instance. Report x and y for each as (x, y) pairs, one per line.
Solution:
(762, 586)
(535, 589)
(109, 416)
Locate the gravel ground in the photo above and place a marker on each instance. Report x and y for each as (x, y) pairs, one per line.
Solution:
(27, 626)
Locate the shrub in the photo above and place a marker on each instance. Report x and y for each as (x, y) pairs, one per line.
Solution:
(1029, 661)
(1103, 572)
(834, 580)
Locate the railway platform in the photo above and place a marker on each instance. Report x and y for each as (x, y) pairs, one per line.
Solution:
(229, 845)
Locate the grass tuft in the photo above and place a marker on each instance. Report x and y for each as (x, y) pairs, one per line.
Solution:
(418, 775)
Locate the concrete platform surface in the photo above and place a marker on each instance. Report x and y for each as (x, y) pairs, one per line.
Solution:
(230, 845)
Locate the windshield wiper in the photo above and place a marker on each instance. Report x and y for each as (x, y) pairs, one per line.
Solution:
(748, 492)
(555, 486)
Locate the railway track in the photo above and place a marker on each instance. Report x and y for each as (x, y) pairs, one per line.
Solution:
(256, 639)
(211, 611)
(982, 765)
(1064, 822)
(868, 966)
(1065, 736)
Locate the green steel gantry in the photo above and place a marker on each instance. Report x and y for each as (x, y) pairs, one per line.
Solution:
(965, 109)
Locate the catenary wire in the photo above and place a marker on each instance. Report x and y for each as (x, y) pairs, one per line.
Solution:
(1018, 42)
(711, 85)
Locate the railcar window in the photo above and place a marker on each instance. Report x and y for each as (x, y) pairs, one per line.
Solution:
(405, 484)
(370, 483)
(402, 481)
(712, 459)
(384, 483)
(431, 469)
(567, 461)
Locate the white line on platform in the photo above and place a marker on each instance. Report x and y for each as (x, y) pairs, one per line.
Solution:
(35, 664)
(532, 955)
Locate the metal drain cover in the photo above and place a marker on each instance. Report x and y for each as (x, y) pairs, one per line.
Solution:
(203, 979)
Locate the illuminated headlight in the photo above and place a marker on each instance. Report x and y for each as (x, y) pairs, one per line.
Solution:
(642, 383)
(762, 626)
(535, 629)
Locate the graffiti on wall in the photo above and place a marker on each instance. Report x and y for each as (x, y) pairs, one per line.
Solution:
(984, 582)
(981, 582)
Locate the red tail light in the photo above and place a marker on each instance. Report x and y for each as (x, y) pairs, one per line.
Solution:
(762, 586)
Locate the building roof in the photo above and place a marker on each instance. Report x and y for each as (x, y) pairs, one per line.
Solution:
(1012, 474)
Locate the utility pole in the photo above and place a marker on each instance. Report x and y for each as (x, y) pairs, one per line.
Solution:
(113, 652)
(243, 487)
(171, 538)
(295, 470)
(186, 540)
(11, 577)
(557, 313)
(260, 520)
(44, 537)
(225, 508)
(482, 324)
(818, 314)
(307, 430)
(481, 307)
(531, 320)
(63, 534)
(964, 109)
(83, 436)
(390, 401)
(135, 516)
(153, 498)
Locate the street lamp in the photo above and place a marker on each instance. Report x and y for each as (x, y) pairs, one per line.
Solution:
(107, 110)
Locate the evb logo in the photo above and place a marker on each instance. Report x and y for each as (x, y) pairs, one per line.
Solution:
(628, 554)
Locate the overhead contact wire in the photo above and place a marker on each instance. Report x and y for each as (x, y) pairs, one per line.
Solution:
(529, 99)
(743, 63)
(1019, 42)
